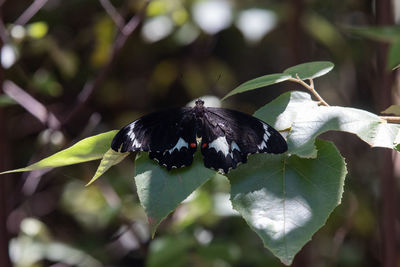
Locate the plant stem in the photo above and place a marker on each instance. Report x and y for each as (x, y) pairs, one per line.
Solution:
(310, 87)
(391, 119)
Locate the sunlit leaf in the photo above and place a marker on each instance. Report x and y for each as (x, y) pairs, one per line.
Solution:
(286, 200)
(258, 82)
(367, 126)
(37, 29)
(110, 158)
(310, 70)
(283, 111)
(161, 191)
(88, 149)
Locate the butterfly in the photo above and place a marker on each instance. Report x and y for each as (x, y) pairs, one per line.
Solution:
(227, 137)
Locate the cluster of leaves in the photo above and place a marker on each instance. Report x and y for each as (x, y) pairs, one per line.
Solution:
(284, 198)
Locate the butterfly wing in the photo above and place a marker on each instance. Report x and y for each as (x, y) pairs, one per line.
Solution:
(167, 135)
(229, 136)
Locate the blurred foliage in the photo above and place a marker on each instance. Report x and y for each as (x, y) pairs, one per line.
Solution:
(170, 59)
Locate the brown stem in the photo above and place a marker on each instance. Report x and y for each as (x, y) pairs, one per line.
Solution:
(120, 41)
(310, 87)
(30, 12)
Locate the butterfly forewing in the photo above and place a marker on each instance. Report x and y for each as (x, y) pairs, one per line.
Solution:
(167, 135)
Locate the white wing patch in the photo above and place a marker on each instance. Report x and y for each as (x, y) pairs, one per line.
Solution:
(181, 143)
(132, 136)
(220, 144)
(266, 136)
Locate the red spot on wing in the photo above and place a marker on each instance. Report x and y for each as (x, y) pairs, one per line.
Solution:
(193, 145)
(204, 145)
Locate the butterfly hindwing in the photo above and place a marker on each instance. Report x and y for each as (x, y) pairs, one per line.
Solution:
(230, 136)
(167, 135)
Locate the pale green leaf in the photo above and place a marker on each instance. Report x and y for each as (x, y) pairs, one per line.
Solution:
(286, 200)
(110, 158)
(283, 111)
(257, 83)
(367, 126)
(88, 149)
(393, 109)
(310, 70)
(161, 191)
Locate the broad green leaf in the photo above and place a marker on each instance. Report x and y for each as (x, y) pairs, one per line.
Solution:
(367, 126)
(161, 191)
(88, 149)
(257, 83)
(306, 120)
(286, 200)
(283, 111)
(378, 33)
(110, 158)
(393, 109)
(310, 70)
(394, 55)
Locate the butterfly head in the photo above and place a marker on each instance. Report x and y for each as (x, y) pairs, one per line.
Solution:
(199, 103)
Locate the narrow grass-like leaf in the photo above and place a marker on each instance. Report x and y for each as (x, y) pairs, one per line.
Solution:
(378, 33)
(394, 55)
(310, 70)
(110, 158)
(286, 200)
(161, 191)
(257, 83)
(88, 149)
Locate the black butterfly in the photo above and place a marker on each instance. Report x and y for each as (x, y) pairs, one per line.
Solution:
(227, 137)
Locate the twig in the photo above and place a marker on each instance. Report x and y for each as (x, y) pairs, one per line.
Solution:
(120, 41)
(391, 119)
(310, 88)
(33, 106)
(30, 12)
(113, 13)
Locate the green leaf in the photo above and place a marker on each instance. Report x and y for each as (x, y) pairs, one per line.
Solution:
(394, 55)
(88, 149)
(286, 200)
(310, 70)
(367, 126)
(393, 109)
(110, 158)
(161, 191)
(257, 83)
(378, 33)
(283, 111)
(306, 120)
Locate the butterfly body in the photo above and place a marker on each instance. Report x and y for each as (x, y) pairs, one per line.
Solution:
(227, 137)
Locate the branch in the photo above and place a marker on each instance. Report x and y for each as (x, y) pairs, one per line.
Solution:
(113, 13)
(120, 41)
(310, 88)
(33, 106)
(30, 12)
(391, 119)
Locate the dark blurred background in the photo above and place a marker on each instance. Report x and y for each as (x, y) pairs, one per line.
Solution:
(72, 69)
